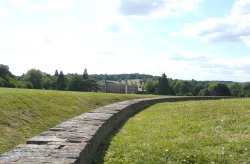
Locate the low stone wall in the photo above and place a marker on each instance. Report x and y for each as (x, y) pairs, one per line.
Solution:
(75, 140)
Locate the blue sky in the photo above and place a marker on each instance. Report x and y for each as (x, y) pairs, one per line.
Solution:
(186, 39)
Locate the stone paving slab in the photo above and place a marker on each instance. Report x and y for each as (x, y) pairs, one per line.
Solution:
(41, 140)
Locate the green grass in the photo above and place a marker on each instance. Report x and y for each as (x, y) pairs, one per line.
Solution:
(25, 113)
(185, 132)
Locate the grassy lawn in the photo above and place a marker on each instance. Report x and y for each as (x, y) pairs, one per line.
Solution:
(25, 113)
(185, 132)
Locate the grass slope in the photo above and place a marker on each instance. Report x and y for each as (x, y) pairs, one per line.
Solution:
(185, 132)
(25, 113)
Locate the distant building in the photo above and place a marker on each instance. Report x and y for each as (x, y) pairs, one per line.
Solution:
(115, 87)
(133, 88)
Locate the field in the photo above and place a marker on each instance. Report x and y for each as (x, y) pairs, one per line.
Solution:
(25, 113)
(185, 132)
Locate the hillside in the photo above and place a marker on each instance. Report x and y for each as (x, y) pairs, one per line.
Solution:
(25, 113)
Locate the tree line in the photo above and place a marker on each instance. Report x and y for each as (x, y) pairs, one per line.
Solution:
(36, 79)
(119, 77)
(168, 86)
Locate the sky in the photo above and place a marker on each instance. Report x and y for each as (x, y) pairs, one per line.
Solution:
(186, 39)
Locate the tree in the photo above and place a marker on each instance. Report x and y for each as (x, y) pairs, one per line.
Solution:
(75, 83)
(11, 83)
(197, 88)
(24, 84)
(7, 79)
(220, 90)
(149, 87)
(35, 77)
(4, 71)
(49, 81)
(236, 90)
(246, 89)
(2, 81)
(56, 73)
(85, 74)
(78, 83)
(183, 88)
(61, 82)
(93, 85)
(204, 92)
(164, 87)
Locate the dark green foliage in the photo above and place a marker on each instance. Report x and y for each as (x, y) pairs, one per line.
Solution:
(246, 89)
(28, 85)
(4, 71)
(6, 77)
(24, 84)
(246, 86)
(183, 88)
(117, 77)
(61, 82)
(56, 73)
(49, 82)
(236, 90)
(85, 74)
(2, 81)
(204, 92)
(11, 83)
(35, 77)
(164, 87)
(197, 88)
(220, 90)
(79, 83)
(75, 83)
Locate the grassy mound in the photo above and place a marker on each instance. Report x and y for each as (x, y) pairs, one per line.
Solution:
(25, 113)
(185, 132)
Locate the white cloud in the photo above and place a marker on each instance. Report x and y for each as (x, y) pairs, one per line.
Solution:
(113, 24)
(232, 28)
(105, 18)
(104, 41)
(72, 54)
(140, 7)
(157, 8)
(177, 64)
(240, 8)
(204, 66)
(117, 16)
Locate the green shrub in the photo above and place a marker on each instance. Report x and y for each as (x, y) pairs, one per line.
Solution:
(2, 81)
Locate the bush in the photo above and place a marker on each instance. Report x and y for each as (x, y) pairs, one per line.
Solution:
(2, 81)
(76, 83)
(204, 92)
(220, 90)
(24, 84)
(11, 83)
